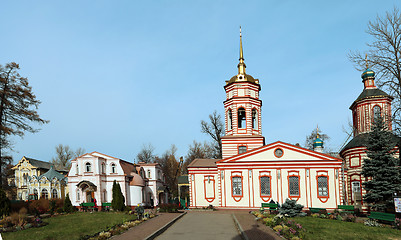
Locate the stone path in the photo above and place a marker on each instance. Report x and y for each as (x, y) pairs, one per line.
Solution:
(147, 228)
(202, 226)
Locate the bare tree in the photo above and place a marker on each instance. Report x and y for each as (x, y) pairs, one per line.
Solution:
(384, 57)
(215, 129)
(146, 154)
(64, 155)
(312, 137)
(198, 150)
(170, 167)
(18, 106)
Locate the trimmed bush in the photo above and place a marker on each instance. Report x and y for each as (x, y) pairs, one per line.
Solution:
(68, 208)
(118, 201)
(168, 207)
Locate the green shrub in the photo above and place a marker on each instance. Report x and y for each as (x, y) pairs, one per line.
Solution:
(68, 208)
(168, 207)
(118, 201)
(290, 208)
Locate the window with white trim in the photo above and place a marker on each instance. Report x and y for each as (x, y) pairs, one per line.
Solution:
(241, 118)
(237, 186)
(113, 168)
(322, 185)
(265, 186)
(293, 183)
(54, 194)
(88, 167)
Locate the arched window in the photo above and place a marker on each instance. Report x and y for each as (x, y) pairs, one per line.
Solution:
(241, 118)
(54, 194)
(35, 193)
(323, 186)
(77, 169)
(45, 194)
(113, 168)
(293, 182)
(230, 119)
(237, 186)
(376, 112)
(88, 167)
(103, 168)
(254, 119)
(265, 186)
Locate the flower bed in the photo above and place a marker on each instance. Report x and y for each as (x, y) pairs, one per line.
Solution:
(284, 227)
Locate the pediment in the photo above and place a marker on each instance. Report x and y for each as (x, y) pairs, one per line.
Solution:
(269, 153)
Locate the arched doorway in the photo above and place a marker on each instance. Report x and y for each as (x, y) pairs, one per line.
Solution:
(88, 189)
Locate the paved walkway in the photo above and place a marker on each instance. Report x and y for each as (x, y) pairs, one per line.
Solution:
(202, 226)
(147, 228)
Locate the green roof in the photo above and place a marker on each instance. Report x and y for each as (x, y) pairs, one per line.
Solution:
(371, 93)
(361, 140)
(51, 174)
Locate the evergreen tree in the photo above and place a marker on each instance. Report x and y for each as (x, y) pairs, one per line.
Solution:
(68, 208)
(4, 203)
(381, 167)
(118, 201)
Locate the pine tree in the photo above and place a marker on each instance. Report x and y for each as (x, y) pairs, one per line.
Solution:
(68, 208)
(118, 201)
(4, 203)
(381, 167)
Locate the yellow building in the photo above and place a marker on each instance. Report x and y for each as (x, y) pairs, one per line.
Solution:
(40, 179)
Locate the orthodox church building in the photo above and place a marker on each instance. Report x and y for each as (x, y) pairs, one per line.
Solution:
(370, 104)
(251, 172)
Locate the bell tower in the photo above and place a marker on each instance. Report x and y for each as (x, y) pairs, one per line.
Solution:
(242, 112)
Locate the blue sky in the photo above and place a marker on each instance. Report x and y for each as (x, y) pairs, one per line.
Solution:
(114, 75)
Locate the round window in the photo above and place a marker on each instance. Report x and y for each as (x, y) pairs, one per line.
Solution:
(278, 152)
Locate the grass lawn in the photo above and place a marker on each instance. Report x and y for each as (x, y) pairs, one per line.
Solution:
(318, 228)
(71, 226)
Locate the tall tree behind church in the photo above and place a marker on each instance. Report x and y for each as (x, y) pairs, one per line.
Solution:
(215, 129)
(18, 105)
(383, 56)
(382, 167)
(198, 150)
(170, 167)
(64, 155)
(146, 154)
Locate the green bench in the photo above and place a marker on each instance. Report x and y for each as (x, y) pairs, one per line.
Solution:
(270, 206)
(106, 206)
(382, 216)
(88, 206)
(317, 210)
(346, 208)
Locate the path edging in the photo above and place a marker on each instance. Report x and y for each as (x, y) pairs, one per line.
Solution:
(164, 228)
(243, 234)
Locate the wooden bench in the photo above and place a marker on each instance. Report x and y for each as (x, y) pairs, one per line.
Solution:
(88, 206)
(106, 206)
(270, 206)
(317, 210)
(382, 216)
(346, 208)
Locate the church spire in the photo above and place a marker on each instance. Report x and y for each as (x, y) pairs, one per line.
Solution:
(241, 64)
